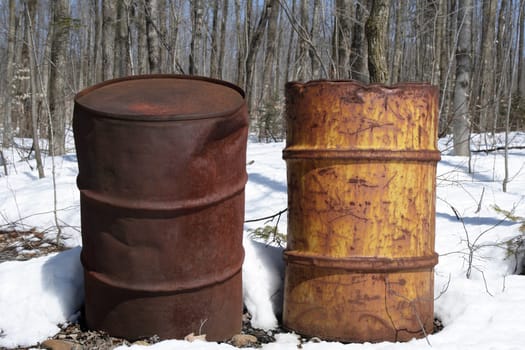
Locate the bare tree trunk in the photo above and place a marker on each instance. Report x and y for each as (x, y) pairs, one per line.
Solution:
(253, 48)
(152, 16)
(359, 50)
(395, 70)
(57, 77)
(438, 42)
(173, 53)
(486, 102)
(22, 74)
(30, 15)
(215, 33)
(343, 38)
(377, 37)
(266, 110)
(7, 135)
(445, 70)
(98, 70)
(431, 54)
(514, 66)
(196, 61)
(462, 88)
(222, 44)
(142, 38)
(501, 63)
(289, 53)
(241, 47)
(521, 64)
(314, 34)
(161, 27)
(301, 62)
(109, 15)
(85, 47)
(271, 51)
(122, 61)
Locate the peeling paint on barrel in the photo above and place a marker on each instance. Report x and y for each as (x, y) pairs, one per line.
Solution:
(361, 163)
(162, 170)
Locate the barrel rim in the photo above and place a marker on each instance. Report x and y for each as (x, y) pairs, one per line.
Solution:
(152, 117)
(359, 84)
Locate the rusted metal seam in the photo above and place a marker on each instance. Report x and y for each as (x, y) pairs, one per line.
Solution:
(362, 264)
(363, 154)
(165, 205)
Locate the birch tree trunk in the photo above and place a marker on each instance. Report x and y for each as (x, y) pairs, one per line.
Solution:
(461, 124)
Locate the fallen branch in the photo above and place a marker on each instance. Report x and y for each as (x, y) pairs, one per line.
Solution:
(271, 217)
(494, 149)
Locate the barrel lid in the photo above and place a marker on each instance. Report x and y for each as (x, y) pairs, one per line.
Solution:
(161, 97)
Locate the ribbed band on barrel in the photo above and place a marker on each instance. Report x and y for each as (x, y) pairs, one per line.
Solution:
(169, 205)
(362, 154)
(361, 263)
(199, 282)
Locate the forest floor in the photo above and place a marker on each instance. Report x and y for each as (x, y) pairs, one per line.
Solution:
(24, 245)
(18, 245)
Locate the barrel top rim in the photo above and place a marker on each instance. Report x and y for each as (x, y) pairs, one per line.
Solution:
(161, 97)
(361, 85)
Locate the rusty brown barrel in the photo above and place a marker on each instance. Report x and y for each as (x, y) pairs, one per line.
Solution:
(162, 171)
(361, 163)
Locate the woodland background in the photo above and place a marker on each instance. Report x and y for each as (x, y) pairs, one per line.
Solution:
(472, 50)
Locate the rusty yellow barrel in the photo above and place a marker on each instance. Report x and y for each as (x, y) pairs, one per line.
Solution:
(361, 163)
(162, 170)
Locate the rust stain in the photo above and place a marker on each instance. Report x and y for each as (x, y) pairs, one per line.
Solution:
(161, 177)
(361, 185)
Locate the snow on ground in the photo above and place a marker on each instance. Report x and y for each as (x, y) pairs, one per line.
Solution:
(485, 311)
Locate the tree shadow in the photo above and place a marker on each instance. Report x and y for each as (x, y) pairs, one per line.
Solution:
(471, 220)
(265, 181)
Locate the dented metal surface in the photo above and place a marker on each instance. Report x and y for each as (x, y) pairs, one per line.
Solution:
(361, 163)
(162, 171)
